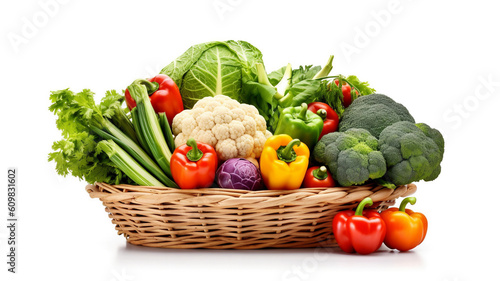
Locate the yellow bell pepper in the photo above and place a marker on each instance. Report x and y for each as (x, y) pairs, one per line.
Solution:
(283, 163)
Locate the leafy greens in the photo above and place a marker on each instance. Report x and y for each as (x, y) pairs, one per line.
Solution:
(214, 68)
(267, 98)
(77, 152)
(305, 84)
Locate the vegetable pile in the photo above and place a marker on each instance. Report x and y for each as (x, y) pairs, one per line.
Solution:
(215, 117)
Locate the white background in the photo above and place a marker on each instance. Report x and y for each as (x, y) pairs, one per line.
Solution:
(434, 57)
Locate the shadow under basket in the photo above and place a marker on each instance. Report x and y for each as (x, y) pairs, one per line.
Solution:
(218, 218)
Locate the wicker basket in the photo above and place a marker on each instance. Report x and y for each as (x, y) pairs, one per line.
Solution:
(233, 219)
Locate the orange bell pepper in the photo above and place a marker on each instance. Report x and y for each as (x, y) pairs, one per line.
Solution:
(283, 163)
(405, 229)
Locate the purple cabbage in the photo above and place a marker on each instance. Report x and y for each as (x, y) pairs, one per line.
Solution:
(239, 173)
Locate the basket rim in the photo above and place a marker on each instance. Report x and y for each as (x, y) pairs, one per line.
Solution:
(245, 198)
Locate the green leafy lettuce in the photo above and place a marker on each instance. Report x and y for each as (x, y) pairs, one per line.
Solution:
(214, 68)
(76, 153)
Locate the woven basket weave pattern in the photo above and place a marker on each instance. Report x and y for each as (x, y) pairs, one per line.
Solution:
(233, 219)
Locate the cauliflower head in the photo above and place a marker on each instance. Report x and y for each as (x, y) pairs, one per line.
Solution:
(413, 152)
(233, 129)
(351, 156)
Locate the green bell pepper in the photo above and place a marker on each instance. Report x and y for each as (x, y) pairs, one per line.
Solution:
(300, 123)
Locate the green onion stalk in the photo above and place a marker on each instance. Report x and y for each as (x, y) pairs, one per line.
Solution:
(149, 125)
(127, 164)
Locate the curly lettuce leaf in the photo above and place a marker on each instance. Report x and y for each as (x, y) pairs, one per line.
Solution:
(362, 87)
(299, 74)
(76, 154)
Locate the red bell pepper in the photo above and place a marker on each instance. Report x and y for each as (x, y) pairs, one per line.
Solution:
(360, 231)
(405, 229)
(330, 117)
(193, 165)
(165, 98)
(346, 93)
(318, 177)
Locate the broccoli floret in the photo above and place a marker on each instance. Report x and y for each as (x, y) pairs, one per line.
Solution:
(436, 136)
(351, 156)
(412, 152)
(374, 113)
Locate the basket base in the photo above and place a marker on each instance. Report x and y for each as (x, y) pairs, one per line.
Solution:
(233, 219)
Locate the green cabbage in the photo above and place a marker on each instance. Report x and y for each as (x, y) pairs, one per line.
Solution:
(214, 68)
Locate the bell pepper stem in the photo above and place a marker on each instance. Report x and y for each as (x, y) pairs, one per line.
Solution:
(137, 91)
(321, 113)
(137, 87)
(303, 111)
(359, 210)
(411, 200)
(151, 87)
(287, 153)
(320, 173)
(195, 153)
